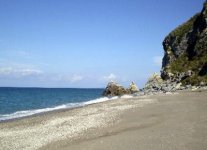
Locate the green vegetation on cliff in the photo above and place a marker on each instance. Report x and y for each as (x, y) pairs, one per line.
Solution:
(186, 50)
(180, 31)
(182, 64)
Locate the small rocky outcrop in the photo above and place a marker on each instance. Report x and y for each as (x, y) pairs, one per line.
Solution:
(133, 88)
(156, 84)
(114, 89)
(185, 58)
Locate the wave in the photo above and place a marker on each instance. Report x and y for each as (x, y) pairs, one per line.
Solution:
(126, 96)
(25, 113)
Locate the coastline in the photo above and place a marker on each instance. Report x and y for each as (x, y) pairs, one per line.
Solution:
(80, 119)
(85, 127)
(68, 106)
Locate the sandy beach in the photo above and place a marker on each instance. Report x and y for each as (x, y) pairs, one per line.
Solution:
(169, 121)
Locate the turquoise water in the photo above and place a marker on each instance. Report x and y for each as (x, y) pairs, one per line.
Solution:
(20, 102)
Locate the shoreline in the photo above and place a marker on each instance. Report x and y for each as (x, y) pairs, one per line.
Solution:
(56, 109)
(62, 110)
(86, 103)
(73, 128)
(82, 106)
(63, 124)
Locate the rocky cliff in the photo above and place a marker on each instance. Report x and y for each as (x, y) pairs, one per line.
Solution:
(186, 51)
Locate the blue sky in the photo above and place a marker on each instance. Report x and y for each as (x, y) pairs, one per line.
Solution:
(85, 43)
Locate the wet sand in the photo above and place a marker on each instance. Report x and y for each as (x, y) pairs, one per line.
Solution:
(168, 122)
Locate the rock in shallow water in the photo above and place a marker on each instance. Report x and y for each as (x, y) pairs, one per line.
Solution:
(114, 89)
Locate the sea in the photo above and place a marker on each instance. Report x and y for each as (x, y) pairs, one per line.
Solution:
(22, 102)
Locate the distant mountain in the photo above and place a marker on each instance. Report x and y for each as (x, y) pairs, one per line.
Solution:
(186, 51)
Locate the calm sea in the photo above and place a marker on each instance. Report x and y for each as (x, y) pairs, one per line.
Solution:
(20, 102)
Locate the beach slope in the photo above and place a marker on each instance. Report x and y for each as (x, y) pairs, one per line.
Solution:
(168, 121)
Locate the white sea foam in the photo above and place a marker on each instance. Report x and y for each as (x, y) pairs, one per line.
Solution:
(98, 100)
(126, 96)
(25, 113)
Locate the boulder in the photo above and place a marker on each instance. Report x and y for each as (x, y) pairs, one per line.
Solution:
(194, 88)
(188, 86)
(168, 88)
(203, 83)
(154, 82)
(133, 88)
(114, 89)
(178, 86)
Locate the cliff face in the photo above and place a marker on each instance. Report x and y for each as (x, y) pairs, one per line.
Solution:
(186, 51)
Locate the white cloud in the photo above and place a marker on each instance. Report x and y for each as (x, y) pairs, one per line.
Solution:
(76, 78)
(110, 77)
(19, 72)
(157, 60)
(28, 72)
(6, 71)
(67, 78)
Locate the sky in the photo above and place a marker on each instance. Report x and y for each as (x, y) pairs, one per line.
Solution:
(85, 43)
